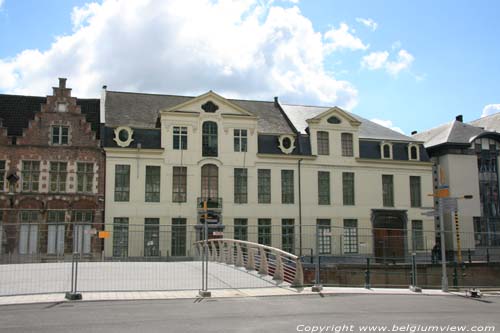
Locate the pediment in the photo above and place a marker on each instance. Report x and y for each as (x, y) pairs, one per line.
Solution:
(335, 117)
(209, 103)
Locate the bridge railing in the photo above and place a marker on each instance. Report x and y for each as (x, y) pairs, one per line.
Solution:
(266, 260)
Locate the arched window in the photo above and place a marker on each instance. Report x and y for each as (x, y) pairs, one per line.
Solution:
(413, 153)
(386, 151)
(209, 181)
(209, 138)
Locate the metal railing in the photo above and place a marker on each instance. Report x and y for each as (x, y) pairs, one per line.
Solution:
(281, 265)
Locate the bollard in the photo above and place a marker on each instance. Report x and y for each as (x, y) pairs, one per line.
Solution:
(367, 274)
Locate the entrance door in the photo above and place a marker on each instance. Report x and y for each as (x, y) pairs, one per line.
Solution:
(389, 236)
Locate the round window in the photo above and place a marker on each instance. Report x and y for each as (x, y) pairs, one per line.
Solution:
(334, 120)
(123, 135)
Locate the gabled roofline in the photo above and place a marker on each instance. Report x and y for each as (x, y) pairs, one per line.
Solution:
(215, 96)
(353, 121)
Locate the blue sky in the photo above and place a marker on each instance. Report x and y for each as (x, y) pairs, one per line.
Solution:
(408, 64)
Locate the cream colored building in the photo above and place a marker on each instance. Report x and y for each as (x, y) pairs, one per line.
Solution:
(272, 172)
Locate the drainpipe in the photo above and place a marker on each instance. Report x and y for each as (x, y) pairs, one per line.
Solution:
(300, 211)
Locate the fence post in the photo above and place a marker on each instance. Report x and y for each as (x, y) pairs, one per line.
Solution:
(367, 274)
(317, 284)
(278, 269)
(470, 256)
(414, 286)
(250, 260)
(298, 281)
(239, 255)
(488, 255)
(73, 295)
(455, 274)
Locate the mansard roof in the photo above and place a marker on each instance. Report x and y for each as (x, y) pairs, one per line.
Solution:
(489, 123)
(142, 110)
(455, 132)
(16, 111)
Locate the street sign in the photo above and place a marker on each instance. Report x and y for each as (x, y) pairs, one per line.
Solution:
(449, 204)
(104, 234)
(430, 213)
(92, 231)
(218, 233)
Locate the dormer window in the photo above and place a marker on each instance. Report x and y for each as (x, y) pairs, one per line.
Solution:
(59, 135)
(62, 107)
(286, 143)
(413, 152)
(386, 151)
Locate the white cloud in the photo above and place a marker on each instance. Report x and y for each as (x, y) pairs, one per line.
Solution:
(388, 124)
(380, 60)
(1, 4)
(368, 23)
(490, 109)
(246, 49)
(342, 38)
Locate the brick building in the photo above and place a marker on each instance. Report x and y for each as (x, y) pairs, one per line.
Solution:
(51, 175)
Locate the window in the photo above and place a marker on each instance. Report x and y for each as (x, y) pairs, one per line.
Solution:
(179, 237)
(2, 175)
(179, 184)
(28, 232)
(415, 192)
(122, 182)
(31, 175)
(417, 235)
(241, 229)
(323, 143)
(414, 153)
(347, 144)
(180, 138)
(120, 237)
(287, 235)
(55, 232)
(153, 183)
(323, 187)
(264, 185)
(240, 185)
(60, 135)
(287, 188)
(324, 237)
(388, 190)
(209, 181)
(240, 140)
(151, 237)
(209, 139)
(350, 236)
(82, 223)
(85, 177)
(386, 151)
(58, 173)
(264, 231)
(348, 188)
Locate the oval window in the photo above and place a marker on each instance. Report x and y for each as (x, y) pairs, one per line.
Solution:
(334, 120)
(287, 143)
(123, 135)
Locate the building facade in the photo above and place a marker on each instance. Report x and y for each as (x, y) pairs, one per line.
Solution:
(51, 176)
(270, 173)
(468, 155)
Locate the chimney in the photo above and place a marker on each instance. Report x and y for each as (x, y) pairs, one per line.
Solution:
(414, 132)
(276, 103)
(459, 118)
(102, 105)
(62, 83)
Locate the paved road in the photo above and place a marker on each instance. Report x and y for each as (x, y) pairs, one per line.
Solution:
(264, 314)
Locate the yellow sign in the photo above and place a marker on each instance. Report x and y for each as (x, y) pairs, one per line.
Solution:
(104, 234)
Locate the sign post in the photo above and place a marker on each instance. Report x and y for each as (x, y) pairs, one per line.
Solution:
(204, 257)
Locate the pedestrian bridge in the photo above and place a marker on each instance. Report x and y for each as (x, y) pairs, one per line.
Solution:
(232, 265)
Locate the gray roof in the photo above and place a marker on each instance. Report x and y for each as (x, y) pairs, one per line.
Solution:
(141, 110)
(489, 123)
(454, 132)
(298, 114)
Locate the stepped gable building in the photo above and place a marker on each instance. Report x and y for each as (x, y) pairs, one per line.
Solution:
(468, 155)
(51, 175)
(270, 172)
